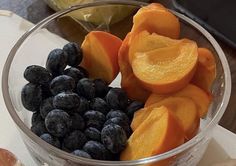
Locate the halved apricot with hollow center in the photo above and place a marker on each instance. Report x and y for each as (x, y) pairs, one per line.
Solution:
(145, 41)
(167, 69)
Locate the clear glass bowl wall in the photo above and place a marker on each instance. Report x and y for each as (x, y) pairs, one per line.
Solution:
(56, 30)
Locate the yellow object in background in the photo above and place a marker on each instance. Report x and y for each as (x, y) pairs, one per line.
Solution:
(63, 4)
(98, 15)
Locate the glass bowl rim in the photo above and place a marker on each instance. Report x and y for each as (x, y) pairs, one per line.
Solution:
(72, 158)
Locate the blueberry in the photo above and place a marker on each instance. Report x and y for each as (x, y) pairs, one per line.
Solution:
(86, 88)
(101, 87)
(93, 134)
(83, 106)
(39, 128)
(96, 150)
(31, 97)
(74, 140)
(36, 117)
(62, 83)
(56, 62)
(58, 122)
(117, 99)
(77, 122)
(51, 140)
(133, 107)
(83, 70)
(37, 75)
(46, 91)
(114, 138)
(121, 122)
(117, 113)
(81, 153)
(94, 119)
(46, 106)
(66, 100)
(75, 73)
(75, 54)
(100, 105)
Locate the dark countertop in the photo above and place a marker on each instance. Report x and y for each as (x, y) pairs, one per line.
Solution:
(36, 10)
(32, 10)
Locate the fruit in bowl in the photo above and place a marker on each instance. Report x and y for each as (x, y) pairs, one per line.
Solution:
(73, 107)
(106, 64)
(76, 110)
(93, 101)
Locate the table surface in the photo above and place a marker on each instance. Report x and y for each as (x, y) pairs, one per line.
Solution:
(36, 10)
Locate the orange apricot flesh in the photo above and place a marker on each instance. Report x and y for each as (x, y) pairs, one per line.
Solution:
(201, 98)
(159, 133)
(165, 23)
(100, 50)
(168, 69)
(184, 109)
(206, 69)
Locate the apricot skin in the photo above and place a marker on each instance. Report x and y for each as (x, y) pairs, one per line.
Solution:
(201, 98)
(157, 69)
(167, 24)
(206, 69)
(129, 82)
(184, 109)
(134, 88)
(160, 132)
(100, 50)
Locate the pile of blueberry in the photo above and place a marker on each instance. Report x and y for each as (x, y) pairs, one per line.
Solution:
(72, 112)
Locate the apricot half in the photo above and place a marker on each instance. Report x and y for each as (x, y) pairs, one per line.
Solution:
(184, 109)
(167, 69)
(145, 41)
(206, 69)
(160, 132)
(100, 50)
(156, 18)
(129, 82)
(199, 96)
(134, 88)
(123, 60)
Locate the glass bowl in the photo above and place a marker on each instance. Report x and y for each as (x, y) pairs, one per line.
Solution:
(59, 28)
